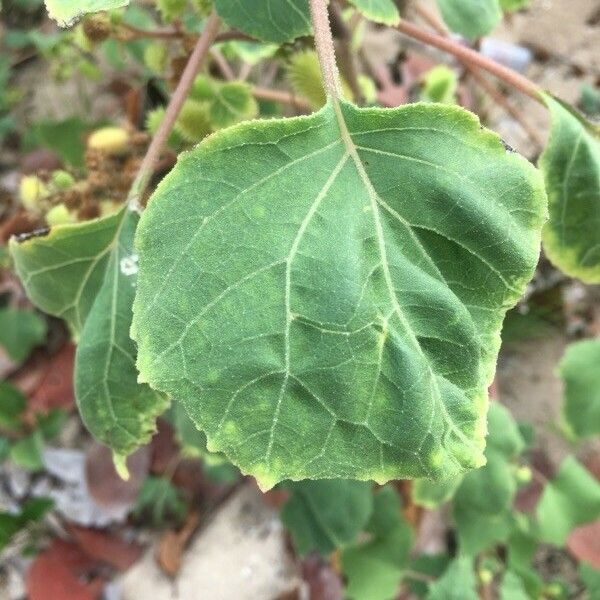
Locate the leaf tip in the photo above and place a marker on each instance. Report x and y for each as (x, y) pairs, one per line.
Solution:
(120, 462)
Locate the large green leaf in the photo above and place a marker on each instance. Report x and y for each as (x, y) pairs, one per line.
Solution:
(471, 18)
(327, 515)
(20, 332)
(120, 412)
(580, 371)
(572, 498)
(268, 20)
(571, 167)
(380, 11)
(375, 567)
(325, 293)
(66, 11)
(63, 271)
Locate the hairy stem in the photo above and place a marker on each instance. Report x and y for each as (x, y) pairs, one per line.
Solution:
(325, 48)
(177, 100)
(473, 58)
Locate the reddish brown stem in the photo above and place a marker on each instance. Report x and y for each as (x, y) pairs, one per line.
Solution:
(473, 58)
(488, 87)
(280, 96)
(178, 98)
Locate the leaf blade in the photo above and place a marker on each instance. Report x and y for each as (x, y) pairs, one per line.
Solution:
(571, 167)
(119, 411)
(236, 384)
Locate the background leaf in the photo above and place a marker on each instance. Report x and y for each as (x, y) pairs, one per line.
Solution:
(117, 410)
(571, 167)
(457, 583)
(62, 272)
(20, 332)
(278, 22)
(374, 567)
(471, 18)
(287, 382)
(380, 11)
(326, 515)
(572, 498)
(66, 11)
(482, 507)
(580, 371)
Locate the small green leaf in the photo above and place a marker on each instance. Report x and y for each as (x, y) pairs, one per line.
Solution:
(457, 583)
(27, 452)
(514, 5)
(430, 565)
(580, 371)
(431, 494)
(161, 500)
(482, 505)
(65, 12)
(374, 568)
(315, 285)
(66, 138)
(280, 21)
(118, 410)
(571, 167)
(12, 405)
(471, 18)
(589, 100)
(512, 588)
(440, 85)
(190, 438)
(11, 523)
(62, 272)
(20, 332)
(504, 435)
(572, 498)
(326, 515)
(380, 11)
(591, 579)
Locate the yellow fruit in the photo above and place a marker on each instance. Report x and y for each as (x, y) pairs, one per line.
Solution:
(31, 190)
(59, 215)
(113, 141)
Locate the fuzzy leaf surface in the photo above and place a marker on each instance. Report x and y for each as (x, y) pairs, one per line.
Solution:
(470, 18)
(325, 293)
(580, 371)
(117, 410)
(275, 21)
(65, 12)
(63, 271)
(571, 167)
(380, 11)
